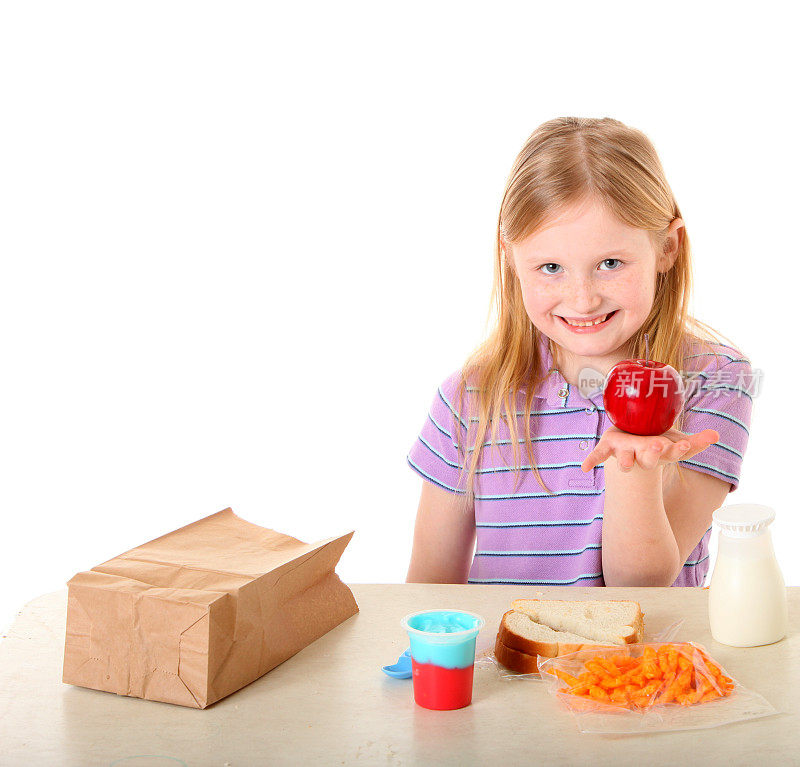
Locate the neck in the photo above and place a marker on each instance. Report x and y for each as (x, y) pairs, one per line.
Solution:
(570, 366)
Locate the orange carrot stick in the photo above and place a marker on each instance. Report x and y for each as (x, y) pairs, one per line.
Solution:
(598, 693)
(565, 677)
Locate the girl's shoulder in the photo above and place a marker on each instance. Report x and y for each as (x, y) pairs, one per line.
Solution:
(711, 369)
(458, 387)
(702, 355)
(453, 394)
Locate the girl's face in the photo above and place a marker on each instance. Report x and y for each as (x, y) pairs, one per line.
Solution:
(583, 265)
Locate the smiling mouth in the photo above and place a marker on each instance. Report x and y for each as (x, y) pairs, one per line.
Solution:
(596, 323)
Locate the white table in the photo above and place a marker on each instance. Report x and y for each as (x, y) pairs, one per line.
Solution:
(331, 705)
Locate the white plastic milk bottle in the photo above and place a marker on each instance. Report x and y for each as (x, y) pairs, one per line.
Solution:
(747, 595)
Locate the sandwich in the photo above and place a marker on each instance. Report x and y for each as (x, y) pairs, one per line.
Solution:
(551, 627)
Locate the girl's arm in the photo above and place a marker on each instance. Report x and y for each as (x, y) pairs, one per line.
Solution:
(639, 547)
(444, 538)
(644, 543)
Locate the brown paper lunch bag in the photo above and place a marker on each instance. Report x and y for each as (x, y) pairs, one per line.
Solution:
(200, 612)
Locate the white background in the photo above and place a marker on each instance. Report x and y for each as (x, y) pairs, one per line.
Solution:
(243, 243)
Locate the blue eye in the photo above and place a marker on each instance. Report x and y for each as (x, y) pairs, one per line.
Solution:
(548, 272)
(606, 260)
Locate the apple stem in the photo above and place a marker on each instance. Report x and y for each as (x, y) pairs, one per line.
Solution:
(646, 349)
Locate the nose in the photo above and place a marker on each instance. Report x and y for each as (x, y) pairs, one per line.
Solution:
(582, 296)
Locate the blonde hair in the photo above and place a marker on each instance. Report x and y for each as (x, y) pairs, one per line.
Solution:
(565, 162)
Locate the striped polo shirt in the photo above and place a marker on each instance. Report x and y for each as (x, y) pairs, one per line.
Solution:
(527, 536)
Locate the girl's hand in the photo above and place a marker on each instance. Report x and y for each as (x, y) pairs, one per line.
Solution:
(670, 447)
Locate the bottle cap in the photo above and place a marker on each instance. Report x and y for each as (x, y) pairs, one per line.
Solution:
(744, 520)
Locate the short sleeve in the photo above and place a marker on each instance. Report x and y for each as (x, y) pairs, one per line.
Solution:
(720, 396)
(434, 454)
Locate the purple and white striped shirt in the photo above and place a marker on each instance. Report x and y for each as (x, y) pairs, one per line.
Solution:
(530, 537)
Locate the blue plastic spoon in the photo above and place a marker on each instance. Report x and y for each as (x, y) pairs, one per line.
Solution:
(401, 669)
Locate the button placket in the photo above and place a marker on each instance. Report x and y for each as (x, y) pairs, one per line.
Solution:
(598, 427)
(586, 480)
(583, 480)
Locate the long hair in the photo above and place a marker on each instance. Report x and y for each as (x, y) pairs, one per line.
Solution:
(563, 163)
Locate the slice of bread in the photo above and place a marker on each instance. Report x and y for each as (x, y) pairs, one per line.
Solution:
(554, 627)
(612, 621)
(518, 662)
(520, 632)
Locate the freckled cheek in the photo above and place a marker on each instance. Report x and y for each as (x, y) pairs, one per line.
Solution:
(628, 293)
(540, 292)
(540, 299)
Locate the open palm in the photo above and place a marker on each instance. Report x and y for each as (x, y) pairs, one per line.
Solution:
(670, 447)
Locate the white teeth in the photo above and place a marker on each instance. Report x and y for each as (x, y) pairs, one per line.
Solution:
(585, 324)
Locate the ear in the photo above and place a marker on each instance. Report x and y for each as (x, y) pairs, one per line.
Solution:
(671, 245)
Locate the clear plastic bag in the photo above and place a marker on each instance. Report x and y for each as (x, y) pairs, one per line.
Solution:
(485, 657)
(708, 697)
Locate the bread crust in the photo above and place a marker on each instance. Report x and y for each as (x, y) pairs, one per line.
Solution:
(514, 660)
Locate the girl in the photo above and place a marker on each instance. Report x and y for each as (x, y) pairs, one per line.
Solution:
(589, 231)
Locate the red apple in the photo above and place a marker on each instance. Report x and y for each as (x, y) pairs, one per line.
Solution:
(643, 396)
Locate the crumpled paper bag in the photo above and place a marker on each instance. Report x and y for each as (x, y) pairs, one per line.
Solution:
(200, 612)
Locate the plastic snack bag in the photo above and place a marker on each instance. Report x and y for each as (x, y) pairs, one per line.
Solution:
(485, 657)
(648, 687)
